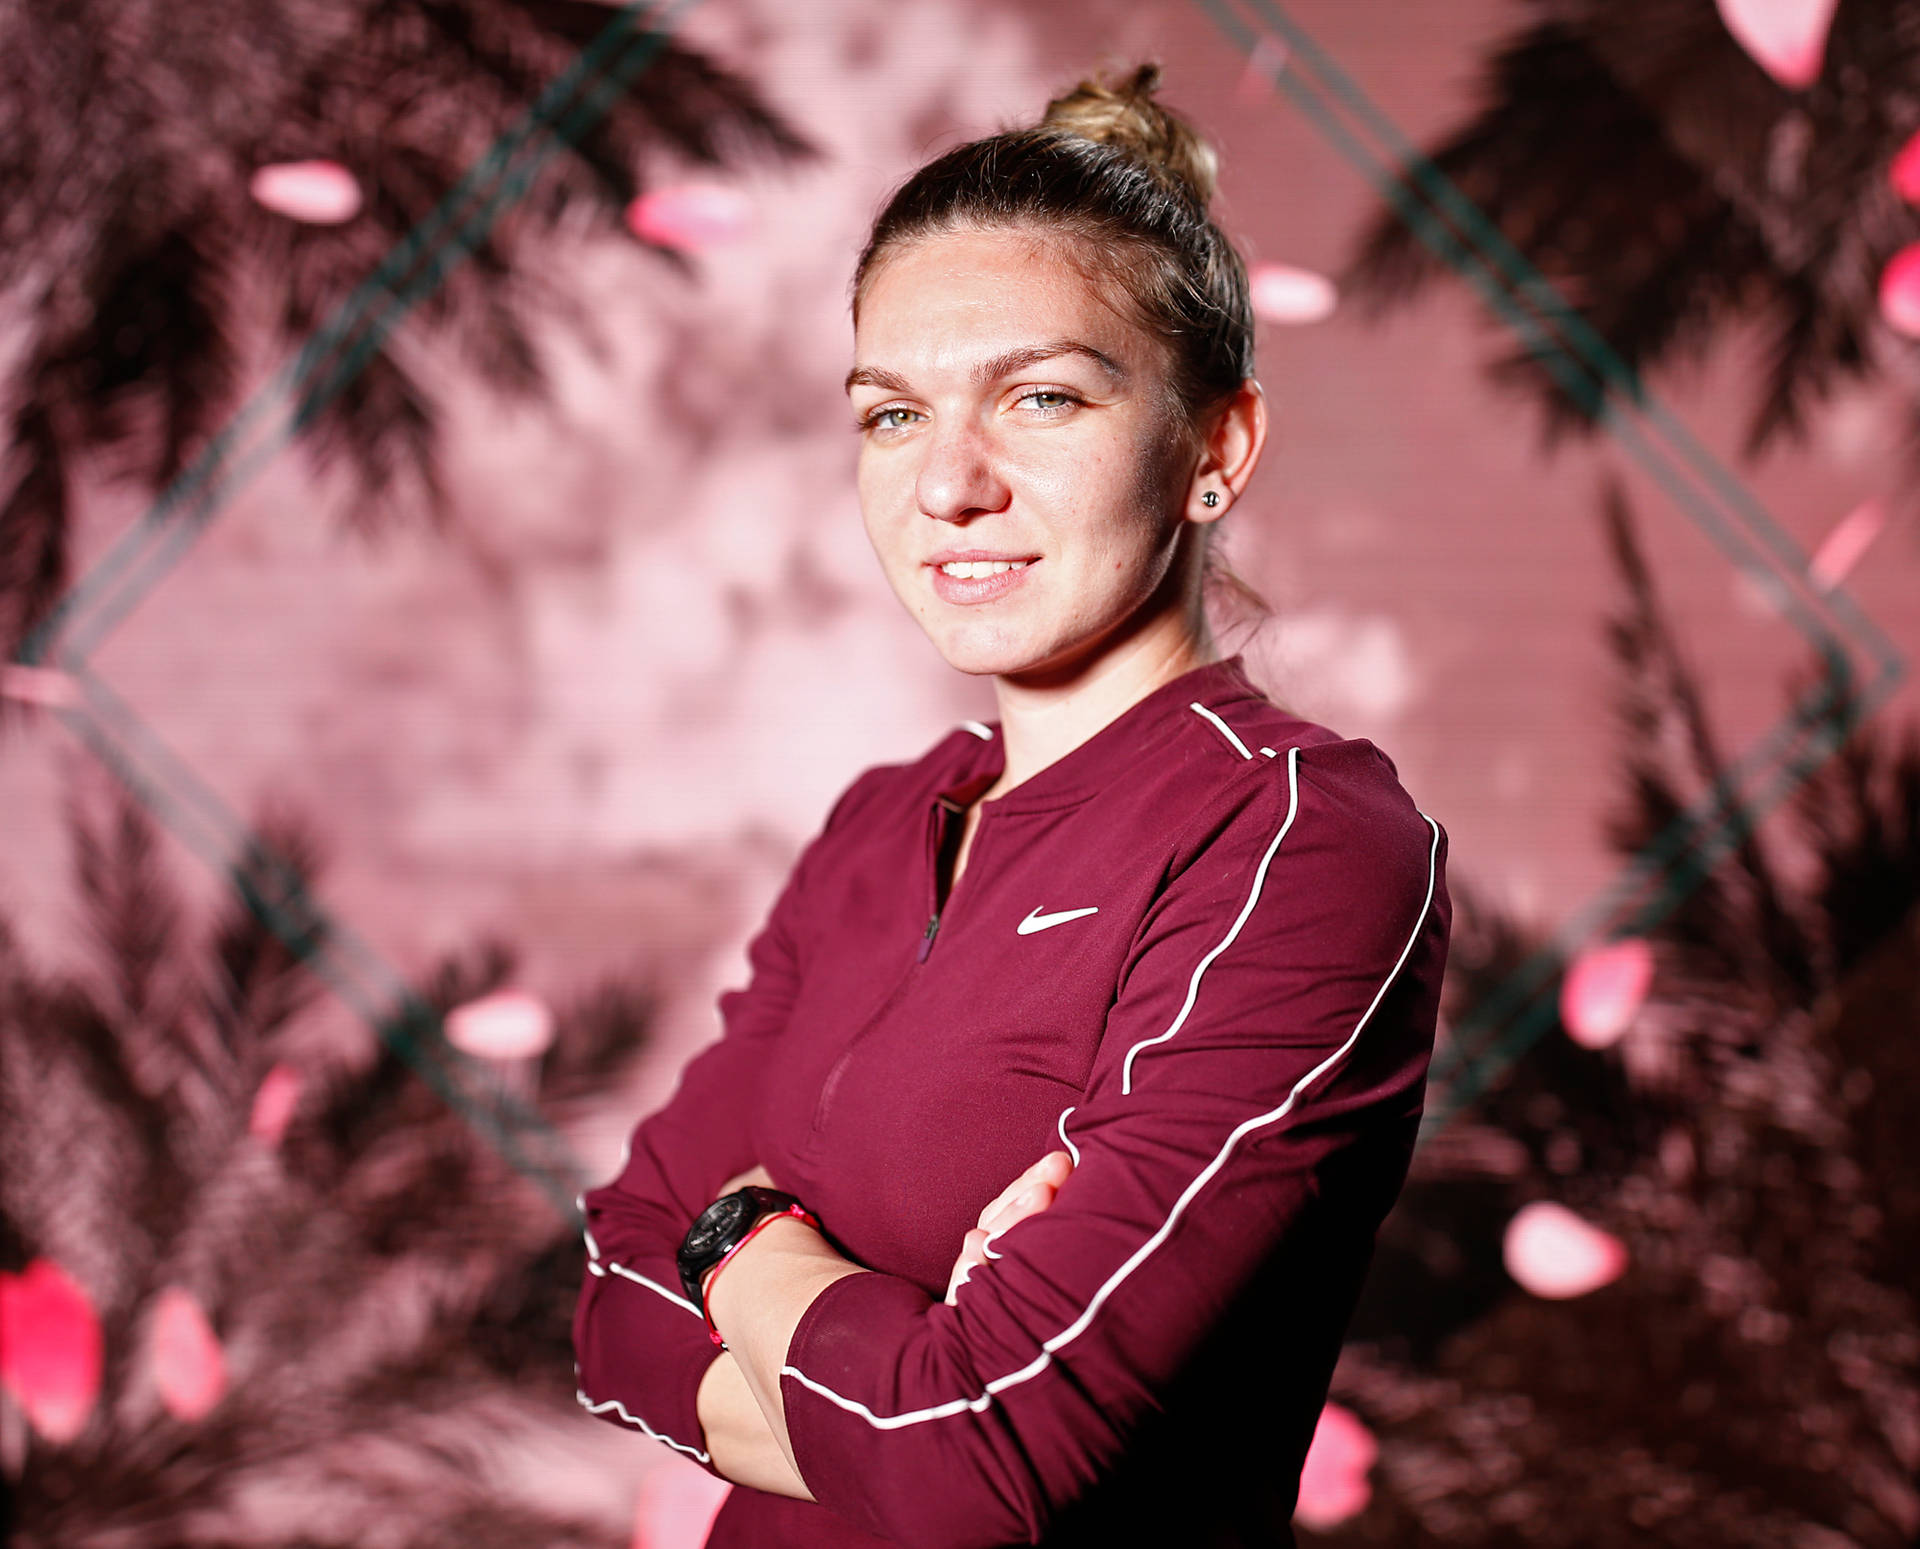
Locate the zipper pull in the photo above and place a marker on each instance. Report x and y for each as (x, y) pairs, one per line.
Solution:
(926, 937)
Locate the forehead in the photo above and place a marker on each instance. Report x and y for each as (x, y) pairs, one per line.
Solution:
(944, 303)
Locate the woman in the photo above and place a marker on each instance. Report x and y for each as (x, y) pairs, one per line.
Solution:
(1160, 953)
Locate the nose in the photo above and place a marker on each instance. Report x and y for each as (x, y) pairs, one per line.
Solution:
(959, 476)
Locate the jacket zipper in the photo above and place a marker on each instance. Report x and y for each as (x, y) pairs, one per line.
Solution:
(937, 819)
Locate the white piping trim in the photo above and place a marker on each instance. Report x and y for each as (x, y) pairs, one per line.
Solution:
(1080, 1324)
(1253, 897)
(652, 1285)
(1269, 752)
(1225, 730)
(984, 733)
(1072, 1150)
(634, 1420)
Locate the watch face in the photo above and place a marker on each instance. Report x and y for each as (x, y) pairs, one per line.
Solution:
(719, 1224)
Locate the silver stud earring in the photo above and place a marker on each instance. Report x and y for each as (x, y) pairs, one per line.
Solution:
(1210, 499)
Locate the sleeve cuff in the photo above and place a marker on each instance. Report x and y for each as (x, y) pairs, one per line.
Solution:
(642, 1362)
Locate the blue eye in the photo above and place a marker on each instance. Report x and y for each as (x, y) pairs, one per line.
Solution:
(1049, 400)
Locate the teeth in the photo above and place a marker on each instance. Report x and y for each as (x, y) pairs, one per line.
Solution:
(974, 569)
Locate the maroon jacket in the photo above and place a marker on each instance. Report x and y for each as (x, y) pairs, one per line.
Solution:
(1204, 950)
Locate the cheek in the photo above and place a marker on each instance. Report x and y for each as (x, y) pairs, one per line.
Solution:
(876, 485)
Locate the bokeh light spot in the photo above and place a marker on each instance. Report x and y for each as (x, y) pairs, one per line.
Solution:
(676, 1505)
(50, 1348)
(320, 193)
(1851, 537)
(1900, 291)
(1285, 294)
(1554, 1254)
(273, 1104)
(690, 217)
(189, 1367)
(1333, 1482)
(1603, 991)
(507, 1025)
(1786, 38)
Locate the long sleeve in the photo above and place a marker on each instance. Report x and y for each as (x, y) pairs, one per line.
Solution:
(1248, 1121)
(640, 1346)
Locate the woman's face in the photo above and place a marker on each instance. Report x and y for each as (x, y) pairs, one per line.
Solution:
(1024, 471)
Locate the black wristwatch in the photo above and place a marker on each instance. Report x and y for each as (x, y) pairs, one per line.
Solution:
(724, 1225)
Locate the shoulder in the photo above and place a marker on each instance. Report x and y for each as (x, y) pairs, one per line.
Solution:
(1262, 780)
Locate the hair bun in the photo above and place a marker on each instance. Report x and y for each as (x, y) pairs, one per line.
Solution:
(1127, 117)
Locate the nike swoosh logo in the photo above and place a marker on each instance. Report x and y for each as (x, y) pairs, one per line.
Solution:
(1038, 921)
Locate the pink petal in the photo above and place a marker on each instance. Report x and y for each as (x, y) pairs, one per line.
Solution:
(508, 1025)
(676, 1505)
(690, 217)
(1851, 537)
(50, 1348)
(1904, 174)
(274, 1103)
(47, 687)
(1265, 61)
(189, 1367)
(1787, 38)
(1333, 1483)
(1284, 294)
(321, 193)
(1551, 1252)
(1900, 291)
(1603, 991)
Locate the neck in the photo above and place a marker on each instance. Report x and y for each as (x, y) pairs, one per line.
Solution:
(1040, 723)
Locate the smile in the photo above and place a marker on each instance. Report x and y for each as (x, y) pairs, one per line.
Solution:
(975, 579)
(974, 569)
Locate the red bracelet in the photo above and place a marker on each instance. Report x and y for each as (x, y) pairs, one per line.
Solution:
(797, 1212)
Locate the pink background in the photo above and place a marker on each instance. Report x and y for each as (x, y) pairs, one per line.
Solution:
(599, 711)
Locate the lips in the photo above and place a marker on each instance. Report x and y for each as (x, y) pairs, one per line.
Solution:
(968, 576)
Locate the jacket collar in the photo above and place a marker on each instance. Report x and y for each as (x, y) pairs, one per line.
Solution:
(1138, 734)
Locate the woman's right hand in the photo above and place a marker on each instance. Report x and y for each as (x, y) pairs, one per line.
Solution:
(1027, 1195)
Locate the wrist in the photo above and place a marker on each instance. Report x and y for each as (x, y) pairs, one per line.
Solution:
(770, 1284)
(788, 1228)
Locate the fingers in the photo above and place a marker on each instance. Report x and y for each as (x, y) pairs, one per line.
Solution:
(1053, 1170)
(1030, 1203)
(972, 1253)
(1029, 1194)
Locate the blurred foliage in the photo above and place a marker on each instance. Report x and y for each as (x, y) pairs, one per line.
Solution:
(392, 1299)
(1666, 187)
(1753, 1379)
(142, 280)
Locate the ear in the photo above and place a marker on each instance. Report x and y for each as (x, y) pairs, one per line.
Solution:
(1231, 442)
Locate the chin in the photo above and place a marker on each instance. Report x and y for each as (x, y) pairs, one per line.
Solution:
(980, 663)
(980, 655)
(1002, 658)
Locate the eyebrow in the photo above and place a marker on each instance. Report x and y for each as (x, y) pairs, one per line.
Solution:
(997, 367)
